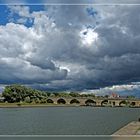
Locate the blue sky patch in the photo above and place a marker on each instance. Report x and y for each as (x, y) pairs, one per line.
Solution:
(3, 14)
(6, 17)
(92, 12)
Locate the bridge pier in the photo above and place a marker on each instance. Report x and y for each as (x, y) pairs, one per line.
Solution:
(137, 104)
(117, 103)
(99, 103)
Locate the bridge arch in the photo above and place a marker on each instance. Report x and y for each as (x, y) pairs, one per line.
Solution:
(132, 103)
(74, 101)
(90, 102)
(123, 103)
(104, 103)
(61, 101)
(50, 101)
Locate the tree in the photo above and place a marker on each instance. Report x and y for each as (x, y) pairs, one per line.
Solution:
(18, 93)
(27, 99)
(106, 96)
(73, 94)
(43, 100)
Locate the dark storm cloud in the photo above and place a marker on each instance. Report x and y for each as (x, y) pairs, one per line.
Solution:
(71, 16)
(114, 59)
(44, 64)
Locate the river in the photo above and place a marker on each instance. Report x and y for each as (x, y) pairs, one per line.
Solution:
(65, 120)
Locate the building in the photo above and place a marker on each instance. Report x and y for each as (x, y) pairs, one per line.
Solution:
(114, 95)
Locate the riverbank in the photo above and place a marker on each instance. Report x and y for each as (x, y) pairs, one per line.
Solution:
(28, 105)
(133, 128)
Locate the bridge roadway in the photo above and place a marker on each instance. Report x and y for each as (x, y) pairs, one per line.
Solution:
(95, 101)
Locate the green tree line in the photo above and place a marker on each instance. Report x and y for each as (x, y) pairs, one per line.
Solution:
(18, 93)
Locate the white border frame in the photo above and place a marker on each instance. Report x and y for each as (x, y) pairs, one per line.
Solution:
(72, 136)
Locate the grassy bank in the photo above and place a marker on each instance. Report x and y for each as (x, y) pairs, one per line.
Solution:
(13, 105)
(21, 105)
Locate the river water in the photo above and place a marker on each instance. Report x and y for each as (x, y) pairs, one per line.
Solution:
(65, 120)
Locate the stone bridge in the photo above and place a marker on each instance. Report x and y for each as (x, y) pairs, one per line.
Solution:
(85, 101)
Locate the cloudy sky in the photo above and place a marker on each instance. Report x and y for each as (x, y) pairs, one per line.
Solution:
(71, 47)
